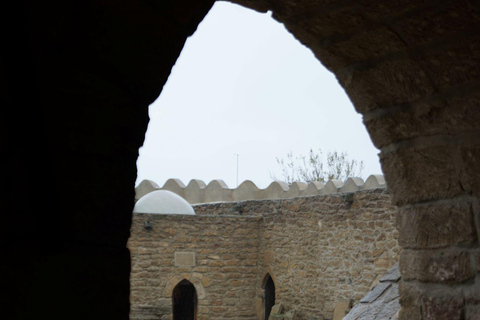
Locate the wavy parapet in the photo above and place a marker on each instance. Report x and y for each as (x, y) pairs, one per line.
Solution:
(375, 181)
(332, 186)
(176, 186)
(195, 191)
(352, 185)
(146, 186)
(246, 190)
(217, 190)
(274, 191)
(296, 189)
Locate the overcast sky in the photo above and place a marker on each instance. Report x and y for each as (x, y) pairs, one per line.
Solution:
(243, 85)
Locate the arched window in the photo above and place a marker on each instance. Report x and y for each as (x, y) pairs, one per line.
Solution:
(269, 301)
(184, 301)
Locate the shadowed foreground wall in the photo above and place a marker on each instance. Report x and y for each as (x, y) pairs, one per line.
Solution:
(317, 249)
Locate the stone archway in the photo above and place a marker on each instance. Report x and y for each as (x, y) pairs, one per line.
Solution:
(77, 79)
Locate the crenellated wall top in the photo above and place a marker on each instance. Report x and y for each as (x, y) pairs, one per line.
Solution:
(217, 190)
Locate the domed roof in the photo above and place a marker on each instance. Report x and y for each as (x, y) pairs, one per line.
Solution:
(163, 202)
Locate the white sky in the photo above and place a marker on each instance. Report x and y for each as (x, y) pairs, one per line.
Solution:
(243, 85)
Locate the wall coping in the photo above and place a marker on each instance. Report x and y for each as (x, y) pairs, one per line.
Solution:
(197, 191)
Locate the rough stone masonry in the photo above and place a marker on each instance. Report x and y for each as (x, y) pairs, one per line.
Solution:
(317, 249)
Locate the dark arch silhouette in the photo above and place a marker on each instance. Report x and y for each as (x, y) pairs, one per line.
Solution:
(184, 301)
(269, 302)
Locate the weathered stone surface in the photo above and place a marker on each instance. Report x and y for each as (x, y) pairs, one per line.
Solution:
(388, 84)
(341, 307)
(290, 315)
(435, 116)
(420, 174)
(477, 261)
(472, 312)
(471, 163)
(436, 225)
(456, 60)
(442, 309)
(436, 266)
(277, 309)
(449, 18)
(341, 52)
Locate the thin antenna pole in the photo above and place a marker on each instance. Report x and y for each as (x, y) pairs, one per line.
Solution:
(237, 165)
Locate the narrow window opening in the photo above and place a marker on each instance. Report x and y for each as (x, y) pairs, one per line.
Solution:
(269, 296)
(184, 301)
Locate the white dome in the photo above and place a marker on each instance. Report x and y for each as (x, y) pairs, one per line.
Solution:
(163, 202)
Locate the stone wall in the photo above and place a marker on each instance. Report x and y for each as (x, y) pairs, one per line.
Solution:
(327, 249)
(225, 272)
(317, 249)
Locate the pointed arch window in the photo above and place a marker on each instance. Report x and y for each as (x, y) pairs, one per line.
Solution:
(269, 295)
(184, 301)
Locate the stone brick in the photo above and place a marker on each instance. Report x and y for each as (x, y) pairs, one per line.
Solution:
(325, 24)
(458, 64)
(290, 315)
(436, 266)
(451, 308)
(436, 225)
(268, 257)
(433, 117)
(477, 262)
(410, 313)
(277, 309)
(411, 299)
(449, 19)
(472, 312)
(421, 174)
(358, 47)
(341, 308)
(471, 165)
(382, 263)
(389, 83)
(383, 11)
